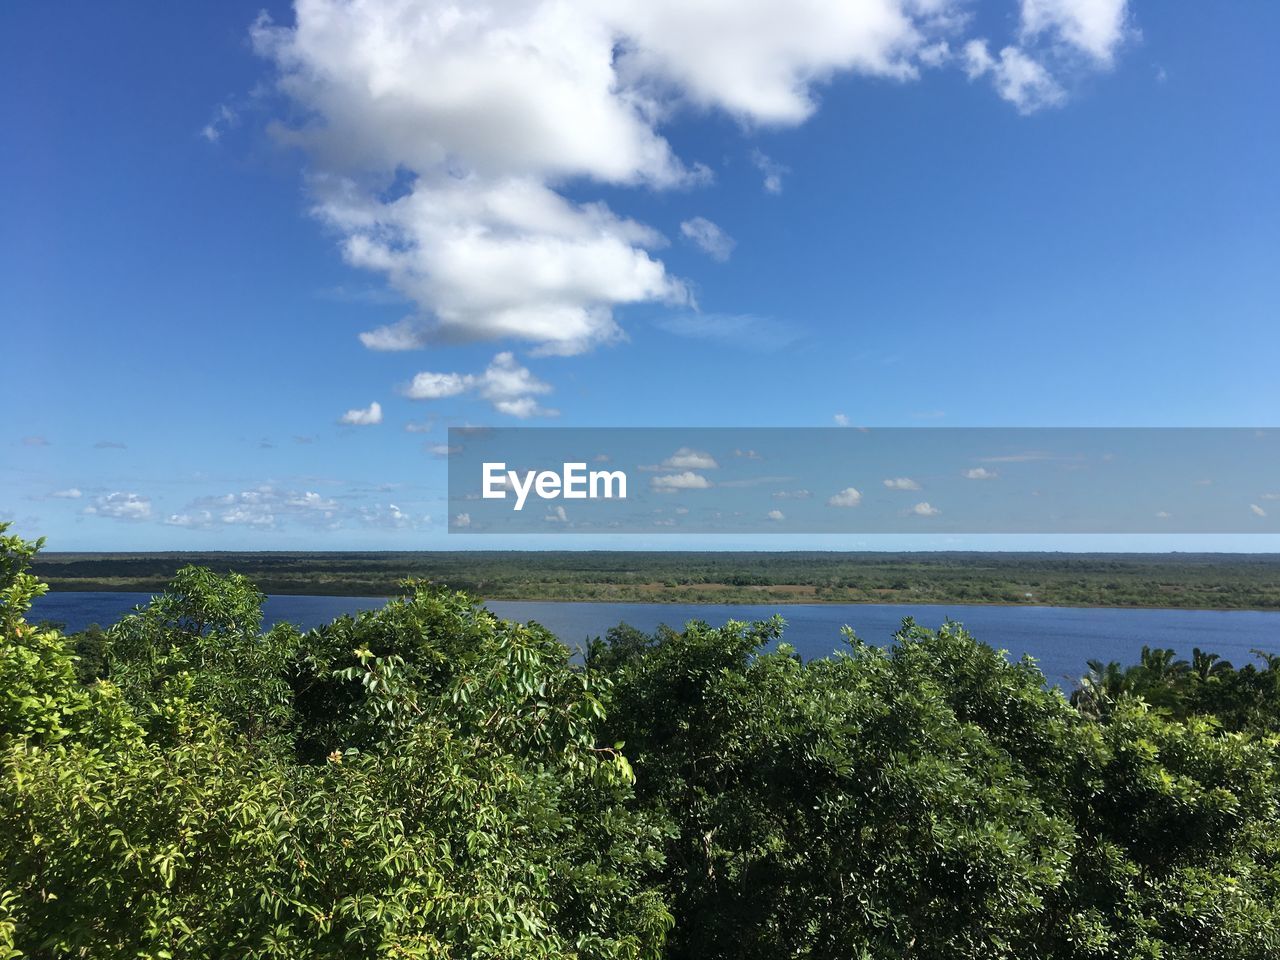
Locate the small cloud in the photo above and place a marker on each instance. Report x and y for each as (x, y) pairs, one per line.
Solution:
(419, 426)
(1270, 496)
(1257, 510)
(120, 506)
(1017, 78)
(901, 483)
(776, 515)
(601, 458)
(223, 119)
(772, 170)
(848, 497)
(557, 515)
(34, 442)
(792, 495)
(1204, 483)
(71, 493)
(1164, 515)
(201, 518)
(462, 520)
(443, 451)
(980, 473)
(841, 420)
(709, 238)
(304, 440)
(688, 480)
(507, 385)
(109, 445)
(368, 416)
(688, 459)
(924, 509)
(747, 455)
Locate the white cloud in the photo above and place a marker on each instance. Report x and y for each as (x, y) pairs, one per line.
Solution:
(363, 417)
(1017, 77)
(848, 497)
(1271, 496)
(462, 520)
(262, 507)
(980, 473)
(507, 385)
(841, 420)
(772, 170)
(792, 495)
(120, 506)
(390, 517)
(474, 114)
(901, 483)
(688, 480)
(439, 136)
(434, 386)
(419, 426)
(200, 518)
(557, 515)
(1094, 27)
(776, 515)
(1164, 515)
(223, 119)
(71, 493)
(1257, 510)
(924, 509)
(709, 238)
(688, 459)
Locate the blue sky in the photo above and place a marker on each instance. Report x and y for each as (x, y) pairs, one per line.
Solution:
(901, 212)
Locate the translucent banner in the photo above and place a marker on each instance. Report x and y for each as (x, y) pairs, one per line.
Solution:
(862, 480)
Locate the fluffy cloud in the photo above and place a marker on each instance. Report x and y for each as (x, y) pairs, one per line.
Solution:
(363, 417)
(848, 497)
(1257, 510)
(687, 458)
(511, 388)
(462, 520)
(120, 506)
(1017, 77)
(1093, 27)
(708, 237)
(901, 483)
(776, 515)
(980, 473)
(440, 134)
(71, 493)
(840, 420)
(688, 480)
(924, 509)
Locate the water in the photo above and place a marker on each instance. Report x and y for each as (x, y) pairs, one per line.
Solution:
(1062, 639)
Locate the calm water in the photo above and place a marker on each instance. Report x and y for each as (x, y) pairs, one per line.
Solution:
(1061, 638)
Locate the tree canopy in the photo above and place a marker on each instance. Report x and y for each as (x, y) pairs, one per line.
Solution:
(427, 780)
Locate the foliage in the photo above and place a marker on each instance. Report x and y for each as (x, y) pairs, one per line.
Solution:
(423, 781)
(427, 780)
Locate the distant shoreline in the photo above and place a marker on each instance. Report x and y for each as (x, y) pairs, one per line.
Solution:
(1031, 579)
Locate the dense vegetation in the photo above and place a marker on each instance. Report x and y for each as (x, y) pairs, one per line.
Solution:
(426, 780)
(1203, 581)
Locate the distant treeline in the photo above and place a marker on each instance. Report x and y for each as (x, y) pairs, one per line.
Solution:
(1206, 581)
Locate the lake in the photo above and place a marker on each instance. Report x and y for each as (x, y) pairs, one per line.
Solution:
(1062, 639)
